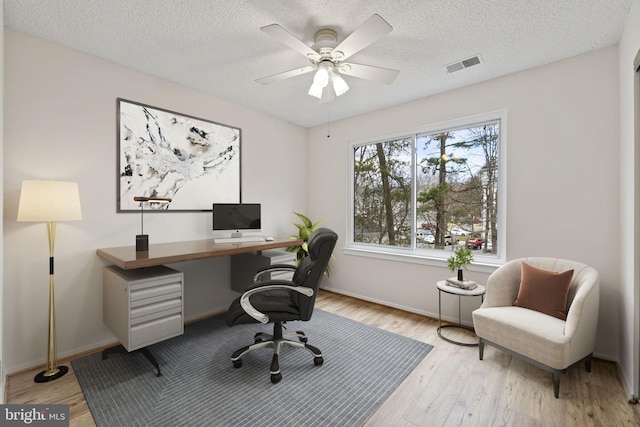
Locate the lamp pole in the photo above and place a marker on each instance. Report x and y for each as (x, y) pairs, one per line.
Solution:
(52, 370)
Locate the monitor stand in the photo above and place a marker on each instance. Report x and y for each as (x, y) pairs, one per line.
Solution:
(237, 237)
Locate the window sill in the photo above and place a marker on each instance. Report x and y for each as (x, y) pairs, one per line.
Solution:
(480, 264)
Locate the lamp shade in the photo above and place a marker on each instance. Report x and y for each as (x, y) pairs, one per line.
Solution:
(315, 90)
(339, 85)
(322, 75)
(44, 201)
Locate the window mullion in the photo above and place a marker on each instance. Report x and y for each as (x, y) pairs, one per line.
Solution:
(414, 193)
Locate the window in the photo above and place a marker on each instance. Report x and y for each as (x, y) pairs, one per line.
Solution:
(431, 189)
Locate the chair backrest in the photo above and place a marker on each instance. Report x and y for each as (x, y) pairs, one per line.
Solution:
(504, 283)
(311, 269)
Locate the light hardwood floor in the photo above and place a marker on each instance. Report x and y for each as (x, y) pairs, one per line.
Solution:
(449, 387)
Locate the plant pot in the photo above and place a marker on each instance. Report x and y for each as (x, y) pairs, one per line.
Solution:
(460, 275)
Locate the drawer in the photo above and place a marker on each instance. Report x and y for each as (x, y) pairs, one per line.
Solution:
(157, 315)
(154, 331)
(150, 282)
(155, 291)
(155, 299)
(159, 307)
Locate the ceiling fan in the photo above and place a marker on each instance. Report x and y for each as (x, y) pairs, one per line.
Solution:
(327, 58)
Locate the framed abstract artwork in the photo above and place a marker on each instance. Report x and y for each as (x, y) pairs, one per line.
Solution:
(161, 153)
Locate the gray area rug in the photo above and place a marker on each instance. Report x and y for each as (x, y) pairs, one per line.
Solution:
(362, 366)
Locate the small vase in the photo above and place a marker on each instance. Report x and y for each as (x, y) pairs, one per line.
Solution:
(460, 275)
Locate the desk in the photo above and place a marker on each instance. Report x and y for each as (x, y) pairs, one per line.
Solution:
(127, 258)
(443, 287)
(144, 305)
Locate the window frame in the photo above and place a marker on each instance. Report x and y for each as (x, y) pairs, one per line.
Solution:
(432, 256)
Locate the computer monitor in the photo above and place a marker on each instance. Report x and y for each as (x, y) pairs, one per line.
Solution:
(236, 217)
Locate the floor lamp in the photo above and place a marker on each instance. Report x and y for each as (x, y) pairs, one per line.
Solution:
(50, 201)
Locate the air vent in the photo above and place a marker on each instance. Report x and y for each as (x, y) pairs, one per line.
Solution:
(461, 65)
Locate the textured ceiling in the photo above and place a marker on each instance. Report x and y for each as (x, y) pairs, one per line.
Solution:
(216, 46)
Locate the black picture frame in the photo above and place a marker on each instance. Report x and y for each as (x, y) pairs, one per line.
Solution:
(162, 153)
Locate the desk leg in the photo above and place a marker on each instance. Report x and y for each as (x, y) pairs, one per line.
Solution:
(119, 349)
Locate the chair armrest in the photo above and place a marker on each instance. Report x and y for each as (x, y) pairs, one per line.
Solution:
(582, 317)
(503, 285)
(272, 269)
(259, 316)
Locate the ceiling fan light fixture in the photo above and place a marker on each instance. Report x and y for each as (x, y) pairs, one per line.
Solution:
(322, 75)
(315, 90)
(321, 79)
(339, 85)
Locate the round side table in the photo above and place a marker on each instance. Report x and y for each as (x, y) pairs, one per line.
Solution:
(443, 287)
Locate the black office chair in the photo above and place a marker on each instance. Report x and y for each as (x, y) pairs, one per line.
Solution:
(279, 301)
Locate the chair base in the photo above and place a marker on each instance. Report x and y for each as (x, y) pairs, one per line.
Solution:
(554, 372)
(277, 341)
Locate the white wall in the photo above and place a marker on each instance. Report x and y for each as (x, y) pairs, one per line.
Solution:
(60, 123)
(629, 206)
(2, 372)
(562, 181)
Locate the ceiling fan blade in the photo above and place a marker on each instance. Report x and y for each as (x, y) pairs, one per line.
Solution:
(368, 72)
(287, 74)
(372, 30)
(285, 37)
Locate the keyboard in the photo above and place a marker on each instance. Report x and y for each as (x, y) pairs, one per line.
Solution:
(253, 239)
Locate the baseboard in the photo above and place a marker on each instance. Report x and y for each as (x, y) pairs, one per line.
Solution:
(204, 315)
(64, 357)
(380, 302)
(607, 357)
(627, 383)
(433, 316)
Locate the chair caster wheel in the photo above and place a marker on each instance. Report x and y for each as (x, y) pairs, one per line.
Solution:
(275, 378)
(303, 339)
(318, 361)
(237, 363)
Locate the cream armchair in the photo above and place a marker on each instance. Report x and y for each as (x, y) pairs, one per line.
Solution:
(543, 340)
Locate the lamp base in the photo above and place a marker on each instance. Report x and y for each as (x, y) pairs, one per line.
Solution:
(42, 377)
(142, 242)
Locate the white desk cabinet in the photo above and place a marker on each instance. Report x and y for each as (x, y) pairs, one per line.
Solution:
(143, 306)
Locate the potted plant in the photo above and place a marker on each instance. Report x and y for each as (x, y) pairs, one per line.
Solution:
(305, 230)
(459, 260)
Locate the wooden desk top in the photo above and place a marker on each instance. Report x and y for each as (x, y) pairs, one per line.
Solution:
(127, 258)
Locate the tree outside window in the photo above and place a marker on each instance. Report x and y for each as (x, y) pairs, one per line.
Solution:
(382, 188)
